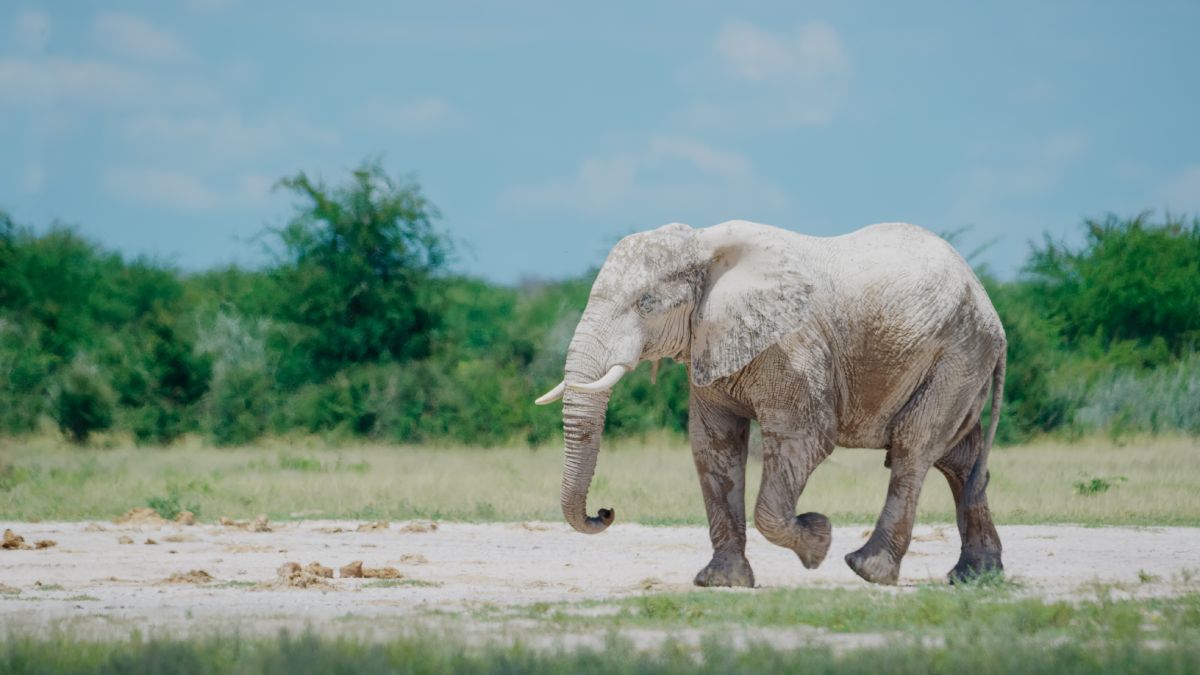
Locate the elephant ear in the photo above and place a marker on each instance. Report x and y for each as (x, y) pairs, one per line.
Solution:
(755, 293)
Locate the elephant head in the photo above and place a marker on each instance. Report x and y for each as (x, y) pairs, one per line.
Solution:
(713, 298)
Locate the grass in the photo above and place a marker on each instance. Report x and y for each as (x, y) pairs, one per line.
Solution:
(652, 482)
(400, 583)
(1148, 638)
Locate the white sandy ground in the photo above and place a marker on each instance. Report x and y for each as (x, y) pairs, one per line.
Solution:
(98, 588)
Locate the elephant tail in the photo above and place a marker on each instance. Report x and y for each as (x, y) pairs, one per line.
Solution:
(979, 473)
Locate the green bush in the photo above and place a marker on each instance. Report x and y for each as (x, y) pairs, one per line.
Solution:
(83, 402)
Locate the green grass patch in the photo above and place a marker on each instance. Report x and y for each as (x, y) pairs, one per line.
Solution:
(308, 653)
(950, 613)
(651, 482)
(400, 583)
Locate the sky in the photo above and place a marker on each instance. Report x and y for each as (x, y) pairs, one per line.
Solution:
(545, 131)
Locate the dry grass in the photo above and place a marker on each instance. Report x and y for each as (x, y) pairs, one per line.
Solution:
(1151, 482)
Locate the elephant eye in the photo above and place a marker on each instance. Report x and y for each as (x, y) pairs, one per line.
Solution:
(646, 304)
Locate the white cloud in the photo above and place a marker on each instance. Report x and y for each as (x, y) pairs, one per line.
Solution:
(669, 175)
(133, 36)
(34, 179)
(158, 187)
(64, 81)
(785, 79)
(1041, 167)
(255, 187)
(209, 5)
(814, 52)
(1182, 191)
(404, 116)
(226, 134)
(31, 31)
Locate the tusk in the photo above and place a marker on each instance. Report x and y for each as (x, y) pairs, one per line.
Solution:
(605, 383)
(552, 395)
(654, 372)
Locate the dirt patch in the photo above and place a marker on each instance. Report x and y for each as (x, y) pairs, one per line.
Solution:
(8, 590)
(259, 524)
(419, 526)
(151, 542)
(142, 515)
(186, 518)
(247, 548)
(373, 527)
(292, 575)
(938, 534)
(355, 570)
(190, 577)
(124, 539)
(506, 565)
(95, 527)
(319, 570)
(15, 542)
(178, 538)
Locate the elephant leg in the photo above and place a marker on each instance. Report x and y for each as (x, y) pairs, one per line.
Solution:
(878, 561)
(980, 542)
(719, 448)
(788, 461)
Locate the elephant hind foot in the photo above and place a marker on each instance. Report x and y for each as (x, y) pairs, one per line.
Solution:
(877, 568)
(974, 566)
(726, 569)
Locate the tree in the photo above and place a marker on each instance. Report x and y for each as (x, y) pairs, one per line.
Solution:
(357, 263)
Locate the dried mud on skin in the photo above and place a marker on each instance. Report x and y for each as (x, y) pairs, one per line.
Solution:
(15, 542)
(190, 577)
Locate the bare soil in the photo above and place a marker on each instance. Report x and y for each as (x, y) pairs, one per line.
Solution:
(198, 577)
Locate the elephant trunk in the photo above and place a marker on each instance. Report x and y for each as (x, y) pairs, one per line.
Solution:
(583, 425)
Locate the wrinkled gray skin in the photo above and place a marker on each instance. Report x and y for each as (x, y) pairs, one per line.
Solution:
(882, 338)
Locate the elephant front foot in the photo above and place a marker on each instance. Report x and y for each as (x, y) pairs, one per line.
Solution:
(816, 533)
(974, 565)
(808, 535)
(876, 567)
(726, 569)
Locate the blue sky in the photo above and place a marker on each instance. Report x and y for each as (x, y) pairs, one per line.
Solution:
(546, 130)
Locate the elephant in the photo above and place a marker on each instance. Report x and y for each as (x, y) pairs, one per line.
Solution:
(882, 338)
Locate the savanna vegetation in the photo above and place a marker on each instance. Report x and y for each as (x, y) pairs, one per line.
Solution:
(359, 329)
(977, 630)
(650, 481)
